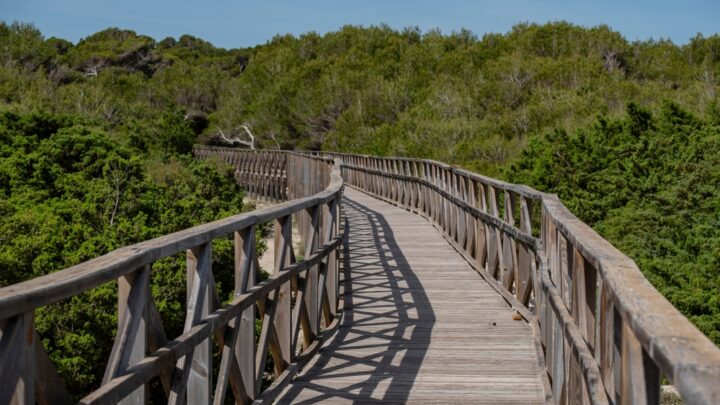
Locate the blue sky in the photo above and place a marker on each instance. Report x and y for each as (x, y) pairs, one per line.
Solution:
(241, 23)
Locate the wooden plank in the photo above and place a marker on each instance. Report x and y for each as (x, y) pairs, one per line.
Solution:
(405, 339)
(525, 255)
(608, 351)
(199, 271)
(268, 317)
(49, 388)
(156, 340)
(130, 346)
(509, 248)
(494, 240)
(331, 226)
(17, 357)
(192, 381)
(282, 351)
(245, 270)
(564, 279)
(226, 363)
(640, 377)
(311, 239)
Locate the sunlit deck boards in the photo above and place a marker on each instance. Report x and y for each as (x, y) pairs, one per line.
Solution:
(420, 325)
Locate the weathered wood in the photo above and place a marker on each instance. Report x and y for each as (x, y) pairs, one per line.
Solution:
(49, 388)
(264, 341)
(226, 364)
(17, 360)
(525, 255)
(192, 378)
(311, 241)
(609, 345)
(130, 345)
(184, 344)
(156, 340)
(244, 280)
(282, 350)
(640, 377)
(634, 329)
(494, 240)
(509, 247)
(404, 338)
(573, 274)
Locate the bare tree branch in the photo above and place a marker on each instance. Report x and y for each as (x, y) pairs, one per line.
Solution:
(252, 138)
(119, 176)
(236, 139)
(274, 138)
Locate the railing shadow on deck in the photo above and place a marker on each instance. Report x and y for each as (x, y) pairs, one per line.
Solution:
(213, 330)
(381, 277)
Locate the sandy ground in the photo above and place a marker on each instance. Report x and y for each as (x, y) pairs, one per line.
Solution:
(267, 260)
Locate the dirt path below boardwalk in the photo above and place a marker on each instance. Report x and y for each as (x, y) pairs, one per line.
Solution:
(267, 260)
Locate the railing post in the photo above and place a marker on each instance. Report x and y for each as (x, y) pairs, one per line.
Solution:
(609, 347)
(470, 220)
(525, 255)
(311, 239)
(509, 249)
(640, 377)
(245, 272)
(331, 269)
(17, 359)
(494, 240)
(130, 346)
(192, 380)
(199, 260)
(481, 231)
(282, 353)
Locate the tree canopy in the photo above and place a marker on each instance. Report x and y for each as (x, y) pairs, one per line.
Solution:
(95, 140)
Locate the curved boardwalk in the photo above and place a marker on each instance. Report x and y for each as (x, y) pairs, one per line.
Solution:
(420, 326)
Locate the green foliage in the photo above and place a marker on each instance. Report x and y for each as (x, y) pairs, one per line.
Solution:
(94, 139)
(70, 193)
(471, 100)
(650, 184)
(22, 45)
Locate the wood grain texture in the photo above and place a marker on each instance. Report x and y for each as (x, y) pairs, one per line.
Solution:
(420, 325)
(595, 325)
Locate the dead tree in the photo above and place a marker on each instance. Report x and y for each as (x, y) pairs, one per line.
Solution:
(236, 138)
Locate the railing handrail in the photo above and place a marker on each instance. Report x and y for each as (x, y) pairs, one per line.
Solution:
(293, 329)
(677, 348)
(622, 341)
(521, 189)
(51, 288)
(689, 359)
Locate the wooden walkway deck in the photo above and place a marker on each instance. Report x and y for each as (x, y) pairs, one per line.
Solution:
(420, 326)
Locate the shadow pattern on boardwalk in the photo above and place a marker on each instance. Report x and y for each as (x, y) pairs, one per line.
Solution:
(384, 336)
(420, 325)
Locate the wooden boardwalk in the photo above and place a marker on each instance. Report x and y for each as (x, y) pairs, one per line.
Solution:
(417, 324)
(420, 326)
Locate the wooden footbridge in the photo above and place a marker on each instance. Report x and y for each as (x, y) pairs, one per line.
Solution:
(416, 283)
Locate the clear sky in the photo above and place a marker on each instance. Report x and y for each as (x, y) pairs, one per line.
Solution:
(241, 23)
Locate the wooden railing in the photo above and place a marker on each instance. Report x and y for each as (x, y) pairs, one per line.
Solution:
(262, 173)
(604, 334)
(273, 175)
(298, 304)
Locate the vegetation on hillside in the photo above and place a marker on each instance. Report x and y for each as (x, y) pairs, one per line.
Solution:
(457, 98)
(94, 142)
(76, 183)
(650, 184)
(69, 192)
